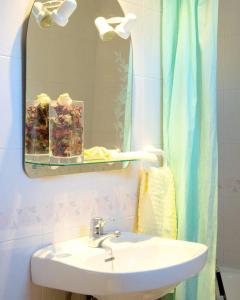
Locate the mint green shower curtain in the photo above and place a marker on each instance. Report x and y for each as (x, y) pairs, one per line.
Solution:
(189, 51)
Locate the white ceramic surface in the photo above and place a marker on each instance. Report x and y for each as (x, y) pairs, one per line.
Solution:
(144, 267)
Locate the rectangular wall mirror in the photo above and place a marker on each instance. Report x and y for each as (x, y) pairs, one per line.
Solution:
(78, 88)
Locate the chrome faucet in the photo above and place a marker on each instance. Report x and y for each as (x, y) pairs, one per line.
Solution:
(96, 236)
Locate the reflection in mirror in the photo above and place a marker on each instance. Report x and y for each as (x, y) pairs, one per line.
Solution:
(78, 86)
(51, 12)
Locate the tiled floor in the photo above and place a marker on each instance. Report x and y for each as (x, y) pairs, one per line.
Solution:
(231, 282)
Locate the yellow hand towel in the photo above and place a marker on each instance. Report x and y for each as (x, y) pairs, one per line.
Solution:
(99, 153)
(157, 206)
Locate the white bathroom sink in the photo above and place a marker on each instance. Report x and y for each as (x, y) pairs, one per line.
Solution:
(143, 267)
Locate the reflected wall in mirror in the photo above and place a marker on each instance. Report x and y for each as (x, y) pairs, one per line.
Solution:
(78, 88)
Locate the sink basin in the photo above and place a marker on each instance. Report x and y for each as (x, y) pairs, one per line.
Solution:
(137, 267)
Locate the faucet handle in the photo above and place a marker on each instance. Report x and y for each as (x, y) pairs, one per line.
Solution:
(97, 226)
(100, 222)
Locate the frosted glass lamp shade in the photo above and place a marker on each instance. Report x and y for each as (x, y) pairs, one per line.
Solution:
(41, 15)
(61, 15)
(106, 32)
(125, 27)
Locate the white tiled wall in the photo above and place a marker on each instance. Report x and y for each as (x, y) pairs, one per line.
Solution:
(229, 133)
(36, 212)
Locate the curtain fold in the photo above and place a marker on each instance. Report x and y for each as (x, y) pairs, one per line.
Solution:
(189, 55)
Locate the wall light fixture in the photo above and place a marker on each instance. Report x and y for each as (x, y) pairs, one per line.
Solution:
(123, 28)
(53, 12)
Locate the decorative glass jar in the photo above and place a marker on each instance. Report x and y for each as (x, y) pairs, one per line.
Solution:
(66, 130)
(37, 129)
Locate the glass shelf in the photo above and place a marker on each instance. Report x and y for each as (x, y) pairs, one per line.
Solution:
(83, 163)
